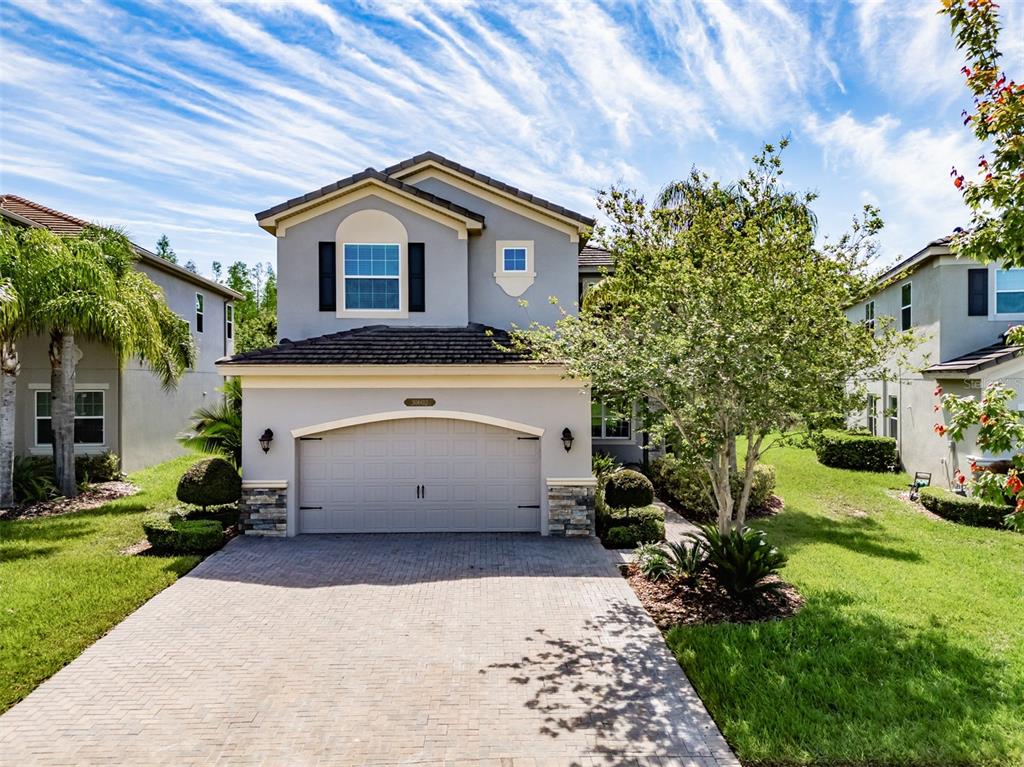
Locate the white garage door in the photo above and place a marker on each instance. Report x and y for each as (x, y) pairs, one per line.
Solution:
(419, 475)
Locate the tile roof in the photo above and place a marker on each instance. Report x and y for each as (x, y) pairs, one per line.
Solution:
(389, 345)
(507, 188)
(362, 176)
(593, 257)
(65, 224)
(979, 359)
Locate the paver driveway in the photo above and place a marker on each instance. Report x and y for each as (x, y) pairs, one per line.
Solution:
(501, 650)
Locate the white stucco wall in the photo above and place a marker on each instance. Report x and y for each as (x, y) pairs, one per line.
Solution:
(548, 403)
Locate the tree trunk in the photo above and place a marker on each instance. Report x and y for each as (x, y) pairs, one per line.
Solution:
(749, 464)
(718, 472)
(62, 410)
(8, 389)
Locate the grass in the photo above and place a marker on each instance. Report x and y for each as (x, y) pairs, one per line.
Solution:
(910, 650)
(63, 582)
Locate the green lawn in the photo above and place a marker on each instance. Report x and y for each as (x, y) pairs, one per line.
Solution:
(63, 583)
(910, 650)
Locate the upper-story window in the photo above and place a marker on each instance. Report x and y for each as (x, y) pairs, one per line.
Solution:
(1010, 291)
(906, 312)
(372, 276)
(515, 259)
(229, 321)
(869, 316)
(199, 312)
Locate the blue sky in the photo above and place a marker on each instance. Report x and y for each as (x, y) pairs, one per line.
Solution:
(186, 117)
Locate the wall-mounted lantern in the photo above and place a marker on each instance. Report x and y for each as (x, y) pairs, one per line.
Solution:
(265, 439)
(567, 439)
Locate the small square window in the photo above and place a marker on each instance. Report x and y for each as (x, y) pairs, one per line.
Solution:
(514, 259)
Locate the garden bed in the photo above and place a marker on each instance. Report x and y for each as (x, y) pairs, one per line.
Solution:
(674, 603)
(91, 498)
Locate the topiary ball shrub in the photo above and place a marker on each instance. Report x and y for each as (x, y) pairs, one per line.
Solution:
(210, 482)
(860, 452)
(962, 509)
(630, 536)
(173, 534)
(627, 489)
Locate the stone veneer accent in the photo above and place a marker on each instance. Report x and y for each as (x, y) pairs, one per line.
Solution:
(264, 508)
(571, 507)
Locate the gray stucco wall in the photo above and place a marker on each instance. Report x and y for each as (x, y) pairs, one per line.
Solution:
(555, 259)
(298, 312)
(285, 409)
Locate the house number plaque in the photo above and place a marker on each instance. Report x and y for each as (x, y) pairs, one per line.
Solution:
(420, 402)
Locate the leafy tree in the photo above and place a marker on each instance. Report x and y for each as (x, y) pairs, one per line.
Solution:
(217, 270)
(218, 429)
(100, 295)
(191, 266)
(724, 314)
(256, 313)
(164, 250)
(996, 197)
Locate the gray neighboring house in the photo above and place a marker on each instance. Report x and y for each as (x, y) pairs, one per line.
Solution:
(123, 409)
(961, 310)
(386, 406)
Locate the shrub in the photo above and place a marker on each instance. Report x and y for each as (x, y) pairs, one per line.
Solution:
(687, 562)
(173, 534)
(740, 560)
(685, 485)
(627, 489)
(105, 467)
(210, 482)
(966, 511)
(632, 535)
(226, 515)
(609, 518)
(33, 479)
(653, 562)
(860, 452)
(603, 466)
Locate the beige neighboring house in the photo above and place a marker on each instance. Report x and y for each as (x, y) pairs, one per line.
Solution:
(123, 409)
(961, 310)
(386, 406)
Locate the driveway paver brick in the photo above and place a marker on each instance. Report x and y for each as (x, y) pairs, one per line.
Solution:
(476, 650)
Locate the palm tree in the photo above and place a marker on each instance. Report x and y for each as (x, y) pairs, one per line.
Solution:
(218, 429)
(101, 296)
(28, 258)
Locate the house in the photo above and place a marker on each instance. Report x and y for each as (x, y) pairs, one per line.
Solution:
(960, 310)
(123, 408)
(389, 404)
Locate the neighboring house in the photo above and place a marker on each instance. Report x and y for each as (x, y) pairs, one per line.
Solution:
(614, 433)
(123, 409)
(387, 406)
(960, 310)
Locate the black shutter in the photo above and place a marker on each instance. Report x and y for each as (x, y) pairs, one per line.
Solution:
(417, 277)
(977, 292)
(328, 277)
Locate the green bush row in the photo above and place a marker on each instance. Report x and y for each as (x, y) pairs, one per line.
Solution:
(629, 536)
(963, 509)
(685, 486)
(860, 452)
(174, 534)
(33, 476)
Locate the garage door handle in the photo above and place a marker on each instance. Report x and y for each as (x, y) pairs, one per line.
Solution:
(307, 508)
(417, 491)
(423, 491)
(534, 506)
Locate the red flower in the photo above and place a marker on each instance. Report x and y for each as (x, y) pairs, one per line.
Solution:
(974, 467)
(1013, 484)
(938, 391)
(960, 478)
(958, 182)
(936, 407)
(940, 429)
(983, 419)
(1020, 505)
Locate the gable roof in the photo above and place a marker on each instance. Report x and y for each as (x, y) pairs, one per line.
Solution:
(594, 258)
(938, 247)
(369, 174)
(31, 213)
(472, 344)
(978, 360)
(433, 157)
(392, 177)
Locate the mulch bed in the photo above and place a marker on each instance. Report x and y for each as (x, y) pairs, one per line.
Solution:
(91, 498)
(673, 603)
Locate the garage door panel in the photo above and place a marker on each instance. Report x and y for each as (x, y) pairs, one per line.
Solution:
(474, 477)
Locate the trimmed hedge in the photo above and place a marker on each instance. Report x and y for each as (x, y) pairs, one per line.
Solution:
(173, 534)
(860, 452)
(684, 485)
(227, 515)
(627, 489)
(632, 535)
(608, 518)
(210, 482)
(962, 509)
